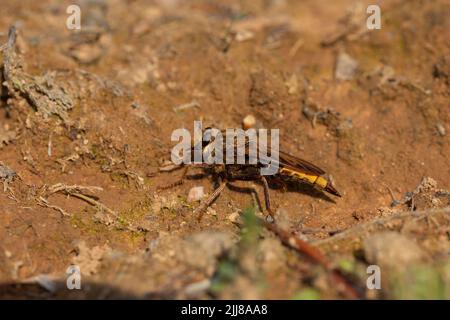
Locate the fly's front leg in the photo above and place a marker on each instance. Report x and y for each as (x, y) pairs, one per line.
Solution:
(178, 182)
(201, 209)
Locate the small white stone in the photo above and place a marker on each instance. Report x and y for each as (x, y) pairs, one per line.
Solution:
(197, 287)
(195, 194)
(346, 67)
(249, 122)
(244, 35)
(234, 217)
(441, 129)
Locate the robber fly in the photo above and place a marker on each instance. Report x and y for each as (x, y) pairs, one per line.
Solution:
(289, 168)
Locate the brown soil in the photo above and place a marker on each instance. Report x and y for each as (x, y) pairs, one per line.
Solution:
(96, 108)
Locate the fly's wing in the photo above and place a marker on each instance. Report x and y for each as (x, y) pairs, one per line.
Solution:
(298, 164)
(286, 160)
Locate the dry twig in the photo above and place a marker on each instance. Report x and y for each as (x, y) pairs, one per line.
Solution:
(79, 192)
(44, 203)
(378, 223)
(315, 255)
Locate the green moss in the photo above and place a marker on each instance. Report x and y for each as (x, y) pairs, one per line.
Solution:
(251, 229)
(120, 178)
(346, 265)
(137, 210)
(96, 151)
(86, 225)
(307, 294)
(419, 282)
(226, 272)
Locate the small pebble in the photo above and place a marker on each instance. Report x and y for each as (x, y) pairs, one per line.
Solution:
(234, 217)
(249, 122)
(6, 172)
(346, 67)
(195, 194)
(197, 287)
(244, 35)
(211, 212)
(441, 129)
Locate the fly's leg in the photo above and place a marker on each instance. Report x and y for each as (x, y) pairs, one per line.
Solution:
(201, 209)
(178, 182)
(270, 216)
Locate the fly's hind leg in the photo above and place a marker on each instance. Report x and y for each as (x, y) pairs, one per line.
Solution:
(270, 217)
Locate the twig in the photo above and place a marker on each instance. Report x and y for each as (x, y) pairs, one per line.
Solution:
(319, 230)
(193, 104)
(380, 222)
(77, 192)
(169, 168)
(64, 161)
(8, 51)
(315, 255)
(72, 189)
(394, 201)
(131, 175)
(44, 203)
(299, 43)
(95, 203)
(50, 145)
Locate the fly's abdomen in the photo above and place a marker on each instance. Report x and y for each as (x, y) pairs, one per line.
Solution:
(320, 181)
